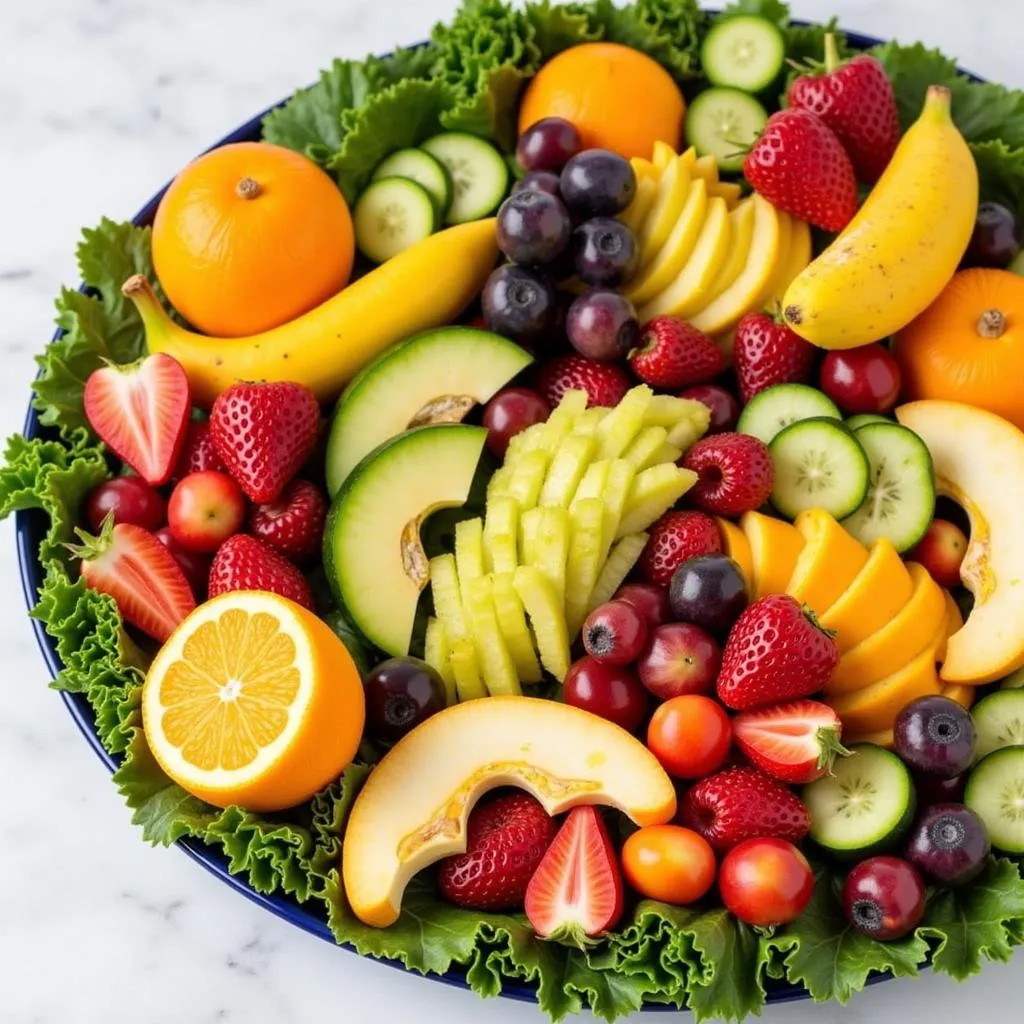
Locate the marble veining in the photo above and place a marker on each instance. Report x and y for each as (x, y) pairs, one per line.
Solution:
(101, 101)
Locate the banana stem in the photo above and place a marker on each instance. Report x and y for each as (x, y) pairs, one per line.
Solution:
(936, 103)
(150, 309)
(992, 324)
(831, 53)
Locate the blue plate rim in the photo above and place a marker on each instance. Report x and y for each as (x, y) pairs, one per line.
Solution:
(29, 526)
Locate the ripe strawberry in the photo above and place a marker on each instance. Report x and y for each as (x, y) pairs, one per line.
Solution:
(855, 99)
(673, 354)
(775, 652)
(795, 742)
(245, 563)
(766, 352)
(263, 433)
(130, 565)
(505, 841)
(743, 803)
(674, 538)
(799, 165)
(576, 892)
(198, 453)
(604, 383)
(734, 474)
(140, 411)
(293, 525)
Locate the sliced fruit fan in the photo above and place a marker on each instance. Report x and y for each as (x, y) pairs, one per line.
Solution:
(556, 516)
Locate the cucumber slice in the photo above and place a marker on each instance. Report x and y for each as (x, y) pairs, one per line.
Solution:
(391, 215)
(865, 806)
(478, 171)
(995, 792)
(900, 501)
(998, 722)
(1014, 681)
(862, 419)
(818, 464)
(746, 52)
(724, 124)
(775, 408)
(419, 166)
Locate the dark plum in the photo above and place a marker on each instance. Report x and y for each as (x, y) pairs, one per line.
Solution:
(708, 591)
(949, 843)
(509, 412)
(401, 693)
(608, 691)
(533, 227)
(935, 736)
(539, 181)
(996, 238)
(548, 145)
(722, 405)
(605, 252)
(602, 325)
(598, 183)
(518, 303)
(615, 632)
(884, 897)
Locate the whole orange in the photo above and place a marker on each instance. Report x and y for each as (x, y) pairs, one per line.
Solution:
(250, 236)
(618, 98)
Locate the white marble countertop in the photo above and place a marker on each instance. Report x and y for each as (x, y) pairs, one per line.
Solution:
(101, 101)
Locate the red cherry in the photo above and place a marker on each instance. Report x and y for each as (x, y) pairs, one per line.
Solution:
(615, 632)
(861, 380)
(725, 410)
(509, 412)
(205, 509)
(131, 500)
(609, 691)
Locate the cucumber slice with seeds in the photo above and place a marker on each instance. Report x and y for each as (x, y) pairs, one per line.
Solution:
(900, 501)
(419, 166)
(995, 792)
(746, 52)
(769, 411)
(998, 722)
(818, 464)
(865, 806)
(391, 215)
(724, 123)
(478, 171)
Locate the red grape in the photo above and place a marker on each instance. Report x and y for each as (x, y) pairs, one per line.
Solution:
(605, 252)
(649, 599)
(508, 413)
(861, 380)
(602, 325)
(533, 227)
(725, 410)
(884, 897)
(548, 145)
(609, 691)
(539, 181)
(194, 565)
(131, 500)
(615, 633)
(598, 183)
(519, 303)
(996, 238)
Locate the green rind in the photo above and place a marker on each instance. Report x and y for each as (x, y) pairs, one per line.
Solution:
(885, 835)
(863, 419)
(987, 789)
(390, 627)
(374, 393)
(759, 419)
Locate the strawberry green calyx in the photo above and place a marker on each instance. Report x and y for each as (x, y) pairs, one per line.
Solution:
(813, 620)
(573, 934)
(828, 738)
(832, 60)
(93, 546)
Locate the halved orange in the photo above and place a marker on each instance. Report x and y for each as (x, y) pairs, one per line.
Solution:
(253, 701)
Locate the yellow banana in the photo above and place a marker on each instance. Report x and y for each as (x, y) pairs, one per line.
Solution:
(901, 248)
(426, 286)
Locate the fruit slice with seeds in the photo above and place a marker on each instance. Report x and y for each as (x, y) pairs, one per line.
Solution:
(998, 722)
(995, 792)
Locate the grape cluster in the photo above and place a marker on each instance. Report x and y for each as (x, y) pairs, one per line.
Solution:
(558, 225)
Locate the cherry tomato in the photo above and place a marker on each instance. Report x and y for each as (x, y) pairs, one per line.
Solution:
(690, 735)
(669, 863)
(861, 380)
(766, 881)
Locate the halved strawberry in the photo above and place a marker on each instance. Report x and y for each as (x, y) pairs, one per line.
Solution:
(796, 742)
(139, 573)
(141, 412)
(576, 892)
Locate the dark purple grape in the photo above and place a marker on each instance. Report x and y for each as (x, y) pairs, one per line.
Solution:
(949, 843)
(708, 591)
(933, 790)
(602, 325)
(598, 183)
(519, 303)
(539, 181)
(548, 144)
(605, 252)
(996, 238)
(935, 736)
(401, 693)
(533, 227)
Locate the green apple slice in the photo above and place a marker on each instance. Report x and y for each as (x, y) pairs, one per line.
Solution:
(546, 617)
(586, 535)
(499, 671)
(621, 559)
(436, 653)
(653, 492)
(501, 535)
(617, 430)
(512, 622)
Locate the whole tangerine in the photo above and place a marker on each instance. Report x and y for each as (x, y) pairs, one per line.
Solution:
(617, 97)
(250, 236)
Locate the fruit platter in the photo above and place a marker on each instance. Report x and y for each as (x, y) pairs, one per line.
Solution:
(538, 508)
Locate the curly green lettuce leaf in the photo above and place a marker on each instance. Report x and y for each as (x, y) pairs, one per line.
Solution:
(774, 11)
(1000, 173)
(101, 325)
(670, 31)
(556, 27)
(823, 952)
